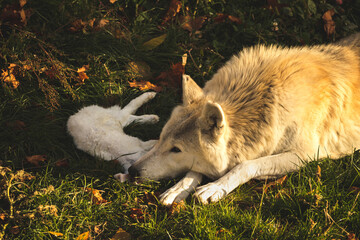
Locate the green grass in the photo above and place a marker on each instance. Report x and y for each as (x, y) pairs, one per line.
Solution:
(33, 119)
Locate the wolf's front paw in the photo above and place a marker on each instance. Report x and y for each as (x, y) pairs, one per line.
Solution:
(173, 195)
(210, 192)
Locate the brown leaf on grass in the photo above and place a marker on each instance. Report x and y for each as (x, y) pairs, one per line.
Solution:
(221, 17)
(48, 210)
(56, 234)
(77, 25)
(318, 173)
(355, 189)
(15, 230)
(329, 24)
(84, 236)
(154, 42)
(352, 236)
(176, 208)
(279, 181)
(36, 159)
(139, 69)
(191, 24)
(172, 77)
(45, 191)
(145, 85)
(174, 8)
(16, 125)
(62, 163)
(121, 234)
(3, 216)
(112, 1)
(274, 5)
(14, 14)
(8, 75)
(81, 74)
(96, 197)
(138, 214)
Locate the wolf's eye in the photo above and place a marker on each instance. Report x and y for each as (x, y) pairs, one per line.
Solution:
(175, 150)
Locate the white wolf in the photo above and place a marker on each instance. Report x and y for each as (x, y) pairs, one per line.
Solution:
(265, 113)
(99, 131)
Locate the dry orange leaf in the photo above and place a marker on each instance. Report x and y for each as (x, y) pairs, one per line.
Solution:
(8, 76)
(221, 17)
(36, 159)
(174, 9)
(56, 234)
(84, 236)
(112, 1)
(96, 196)
(145, 85)
(192, 24)
(329, 24)
(279, 181)
(2, 216)
(81, 73)
(121, 234)
(138, 214)
(62, 163)
(172, 78)
(176, 207)
(15, 230)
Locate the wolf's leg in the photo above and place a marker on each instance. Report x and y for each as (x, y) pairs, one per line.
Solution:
(138, 102)
(273, 165)
(148, 118)
(182, 189)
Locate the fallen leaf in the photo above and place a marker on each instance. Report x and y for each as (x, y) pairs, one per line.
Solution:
(318, 173)
(36, 159)
(2, 216)
(221, 17)
(191, 24)
(14, 14)
(174, 8)
(83, 236)
(279, 181)
(45, 191)
(155, 42)
(48, 210)
(81, 73)
(22, 176)
(77, 25)
(138, 214)
(112, 1)
(56, 234)
(329, 24)
(274, 5)
(172, 77)
(15, 230)
(352, 236)
(354, 189)
(98, 25)
(145, 85)
(16, 125)
(121, 234)
(62, 163)
(8, 75)
(139, 69)
(177, 207)
(96, 196)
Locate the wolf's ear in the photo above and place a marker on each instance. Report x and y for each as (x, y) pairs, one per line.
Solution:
(212, 120)
(191, 91)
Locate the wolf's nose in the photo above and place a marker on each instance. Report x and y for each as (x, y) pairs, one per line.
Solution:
(133, 172)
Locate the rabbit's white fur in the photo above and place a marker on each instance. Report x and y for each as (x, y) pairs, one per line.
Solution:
(99, 131)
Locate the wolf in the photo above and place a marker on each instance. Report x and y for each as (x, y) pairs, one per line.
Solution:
(265, 113)
(99, 132)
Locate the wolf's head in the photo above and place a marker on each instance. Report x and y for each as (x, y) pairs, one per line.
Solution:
(194, 138)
